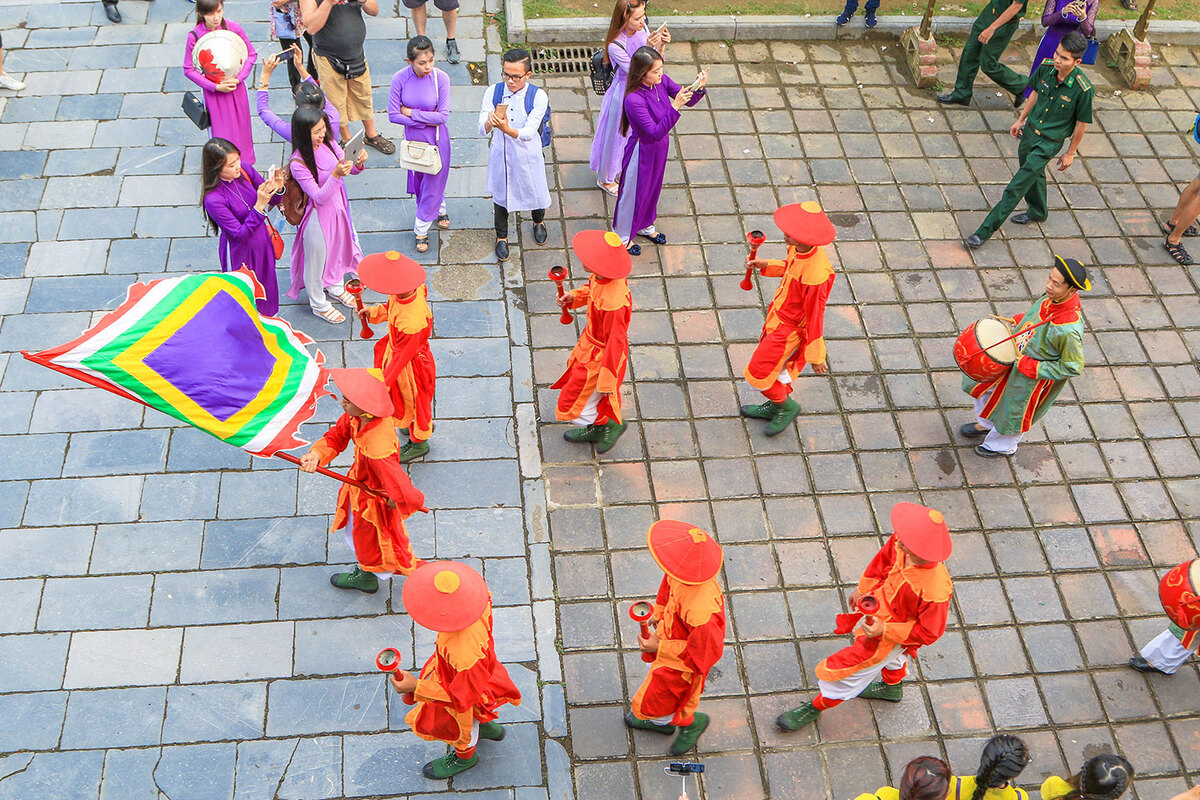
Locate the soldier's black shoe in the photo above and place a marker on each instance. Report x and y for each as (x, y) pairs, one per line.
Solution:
(951, 100)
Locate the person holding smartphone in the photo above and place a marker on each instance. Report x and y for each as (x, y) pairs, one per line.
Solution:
(306, 93)
(651, 109)
(287, 28)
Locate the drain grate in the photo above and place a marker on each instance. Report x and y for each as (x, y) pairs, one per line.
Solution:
(562, 60)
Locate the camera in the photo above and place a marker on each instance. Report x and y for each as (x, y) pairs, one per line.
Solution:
(685, 768)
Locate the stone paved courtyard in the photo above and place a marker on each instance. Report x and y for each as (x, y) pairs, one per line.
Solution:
(167, 629)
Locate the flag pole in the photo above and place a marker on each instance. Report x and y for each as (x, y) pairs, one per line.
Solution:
(344, 479)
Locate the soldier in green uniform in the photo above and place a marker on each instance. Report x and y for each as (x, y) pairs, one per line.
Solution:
(989, 36)
(1061, 103)
(1049, 354)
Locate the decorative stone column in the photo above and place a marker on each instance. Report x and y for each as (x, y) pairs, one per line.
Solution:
(920, 51)
(1131, 51)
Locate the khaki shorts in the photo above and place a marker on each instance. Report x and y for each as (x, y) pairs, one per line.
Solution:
(352, 98)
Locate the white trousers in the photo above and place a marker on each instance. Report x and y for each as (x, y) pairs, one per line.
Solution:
(1165, 652)
(590, 411)
(995, 441)
(314, 265)
(421, 226)
(853, 685)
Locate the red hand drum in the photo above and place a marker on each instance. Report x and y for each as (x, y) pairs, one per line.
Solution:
(978, 354)
(1179, 592)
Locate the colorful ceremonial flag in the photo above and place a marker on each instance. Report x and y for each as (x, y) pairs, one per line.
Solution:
(196, 348)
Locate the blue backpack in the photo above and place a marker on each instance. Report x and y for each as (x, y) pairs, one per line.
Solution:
(544, 129)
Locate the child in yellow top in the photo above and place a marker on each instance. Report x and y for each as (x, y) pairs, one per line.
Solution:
(1004, 757)
(1104, 777)
(925, 778)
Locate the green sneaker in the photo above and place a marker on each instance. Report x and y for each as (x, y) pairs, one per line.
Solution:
(492, 731)
(588, 433)
(689, 735)
(646, 725)
(785, 412)
(362, 581)
(413, 450)
(798, 717)
(892, 692)
(609, 433)
(764, 411)
(448, 766)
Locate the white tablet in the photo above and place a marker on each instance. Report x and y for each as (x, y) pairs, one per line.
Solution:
(355, 146)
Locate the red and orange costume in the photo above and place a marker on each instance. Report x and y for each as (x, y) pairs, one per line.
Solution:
(403, 354)
(690, 612)
(463, 683)
(379, 538)
(793, 333)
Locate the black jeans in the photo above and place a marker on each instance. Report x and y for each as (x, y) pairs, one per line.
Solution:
(293, 73)
(501, 214)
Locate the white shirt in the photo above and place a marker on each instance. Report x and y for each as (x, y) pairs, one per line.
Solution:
(516, 176)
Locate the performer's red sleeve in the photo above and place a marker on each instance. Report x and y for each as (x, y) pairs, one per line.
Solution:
(1017, 319)
(815, 298)
(468, 687)
(705, 644)
(334, 441)
(391, 478)
(616, 350)
(775, 267)
(880, 565)
(404, 347)
(929, 625)
(579, 297)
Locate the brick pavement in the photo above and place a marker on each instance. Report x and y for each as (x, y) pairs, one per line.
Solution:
(1057, 551)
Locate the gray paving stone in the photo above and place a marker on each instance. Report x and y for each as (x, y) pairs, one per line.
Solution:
(30, 109)
(21, 332)
(32, 456)
(388, 763)
(15, 413)
(20, 164)
(514, 761)
(127, 256)
(478, 532)
(12, 257)
(87, 223)
(63, 135)
(77, 293)
(147, 547)
(123, 658)
(470, 357)
(508, 580)
(215, 712)
(473, 398)
(238, 652)
(156, 190)
(94, 603)
(264, 494)
(69, 258)
(56, 775)
(197, 771)
(205, 598)
(126, 132)
(345, 646)
(179, 221)
(327, 705)
(193, 450)
(128, 773)
(17, 226)
(22, 552)
(20, 599)
(114, 718)
(104, 57)
(22, 195)
(82, 501)
(150, 161)
(31, 721)
(513, 631)
(248, 543)
(468, 484)
(116, 452)
(182, 496)
(305, 593)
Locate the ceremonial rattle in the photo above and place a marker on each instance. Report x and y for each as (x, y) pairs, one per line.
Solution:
(641, 612)
(354, 286)
(868, 605)
(388, 660)
(755, 238)
(558, 275)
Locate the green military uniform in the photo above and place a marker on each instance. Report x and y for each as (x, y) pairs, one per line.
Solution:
(1059, 106)
(976, 56)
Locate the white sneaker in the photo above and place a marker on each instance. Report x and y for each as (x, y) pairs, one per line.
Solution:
(9, 82)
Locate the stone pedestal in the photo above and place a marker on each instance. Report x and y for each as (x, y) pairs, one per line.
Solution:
(921, 57)
(1132, 56)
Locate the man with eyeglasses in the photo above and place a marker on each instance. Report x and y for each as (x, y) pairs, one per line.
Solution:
(513, 113)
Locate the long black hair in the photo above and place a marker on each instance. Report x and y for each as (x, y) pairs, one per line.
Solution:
(212, 160)
(308, 93)
(1103, 777)
(304, 119)
(1003, 758)
(641, 62)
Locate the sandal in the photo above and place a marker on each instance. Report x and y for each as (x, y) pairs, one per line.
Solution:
(657, 238)
(1178, 253)
(1190, 230)
(381, 143)
(332, 316)
(343, 296)
(611, 188)
(443, 221)
(422, 244)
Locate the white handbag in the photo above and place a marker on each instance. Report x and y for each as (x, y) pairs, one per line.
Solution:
(423, 156)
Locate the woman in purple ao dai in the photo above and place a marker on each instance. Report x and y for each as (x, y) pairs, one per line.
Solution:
(1059, 18)
(227, 102)
(420, 101)
(626, 33)
(652, 104)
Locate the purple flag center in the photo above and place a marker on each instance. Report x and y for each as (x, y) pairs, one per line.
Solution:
(221, 380)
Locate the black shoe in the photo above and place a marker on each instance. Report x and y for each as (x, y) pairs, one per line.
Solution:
(951, 100)
(110, 11)
(1018, 100)
(539, 232)
(452, 54)
(974, 242)
(971, 431)
(984, 452)
(502, 249)
(1023, 219)
(634, 249)
(842, 19)
(1142, 665)
(869, 20)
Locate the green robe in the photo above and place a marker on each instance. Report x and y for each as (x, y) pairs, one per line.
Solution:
(1017, 401)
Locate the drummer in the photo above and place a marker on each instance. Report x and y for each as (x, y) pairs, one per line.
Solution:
(1048, 356)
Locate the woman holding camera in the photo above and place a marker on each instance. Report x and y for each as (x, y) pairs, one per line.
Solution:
(651, 109)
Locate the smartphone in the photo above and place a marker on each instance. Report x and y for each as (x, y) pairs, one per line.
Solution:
(272, 172)
(661, 28)
(502, 110)
(286, 55)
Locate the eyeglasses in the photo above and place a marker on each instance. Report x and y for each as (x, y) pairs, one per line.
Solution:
(509, 77)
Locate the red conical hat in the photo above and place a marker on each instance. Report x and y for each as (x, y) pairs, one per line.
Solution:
(1179, 592)
(601, 252)
(922, 530)
(806, 223)
(365, 388)
(686, 553)
(445, 596)
(390, 273)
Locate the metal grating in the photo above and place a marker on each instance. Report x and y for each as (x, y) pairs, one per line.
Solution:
(562, 60)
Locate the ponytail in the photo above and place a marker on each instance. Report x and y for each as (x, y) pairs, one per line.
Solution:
(1003, 758)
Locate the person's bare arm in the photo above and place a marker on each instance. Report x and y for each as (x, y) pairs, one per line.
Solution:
(371, 7)
(314, 16)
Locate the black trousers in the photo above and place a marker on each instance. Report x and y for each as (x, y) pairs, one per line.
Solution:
(293, 73)
(501, 214)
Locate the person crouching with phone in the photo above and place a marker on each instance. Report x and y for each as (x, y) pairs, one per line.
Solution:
(516, 177)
